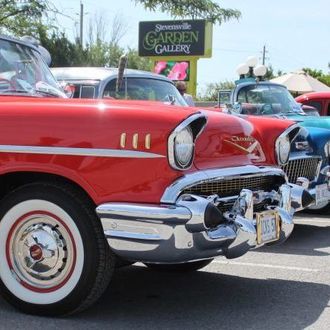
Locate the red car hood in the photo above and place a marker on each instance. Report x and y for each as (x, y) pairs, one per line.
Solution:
(229, 140)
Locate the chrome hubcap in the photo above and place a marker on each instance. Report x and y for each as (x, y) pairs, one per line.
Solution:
(41, 251)
(36, 252)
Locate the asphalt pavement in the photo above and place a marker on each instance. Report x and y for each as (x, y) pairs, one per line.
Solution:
(283, 287)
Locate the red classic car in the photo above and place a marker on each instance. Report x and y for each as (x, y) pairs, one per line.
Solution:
(318, 100)
(86, 182)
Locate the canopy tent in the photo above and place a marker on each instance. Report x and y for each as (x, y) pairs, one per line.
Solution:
(300, 82)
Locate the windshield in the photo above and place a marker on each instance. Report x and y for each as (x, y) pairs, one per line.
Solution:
(145, 89)
(22, 70)
(267, 99)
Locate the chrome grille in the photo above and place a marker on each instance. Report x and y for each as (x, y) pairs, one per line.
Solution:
(302, 167)
(223, 207)
(233, 186)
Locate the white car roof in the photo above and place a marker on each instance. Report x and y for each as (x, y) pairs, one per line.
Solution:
(99, 73)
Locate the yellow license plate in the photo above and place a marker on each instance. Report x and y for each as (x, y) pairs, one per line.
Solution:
(268, 227)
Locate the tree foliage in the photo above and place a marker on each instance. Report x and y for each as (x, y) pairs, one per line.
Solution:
(319, 75)
(194, 9)
(212, 90)
(270, 74)
(22, 17)
(137, 62)
(31, 17)
(62, 50)
(99, 53)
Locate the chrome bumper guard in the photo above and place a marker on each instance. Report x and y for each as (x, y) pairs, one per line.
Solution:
(305, 183)
(193, 228)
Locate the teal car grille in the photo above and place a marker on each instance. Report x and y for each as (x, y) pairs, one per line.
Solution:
(302, 167)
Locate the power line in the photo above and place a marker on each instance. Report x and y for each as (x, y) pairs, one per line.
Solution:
(234, 50)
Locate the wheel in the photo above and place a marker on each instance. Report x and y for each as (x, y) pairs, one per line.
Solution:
(53, 254)
(184, 267)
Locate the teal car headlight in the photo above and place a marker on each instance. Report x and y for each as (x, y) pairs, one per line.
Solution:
(327, 149)
(283, 146)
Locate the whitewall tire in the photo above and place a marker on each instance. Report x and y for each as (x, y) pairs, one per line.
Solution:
(53, 255)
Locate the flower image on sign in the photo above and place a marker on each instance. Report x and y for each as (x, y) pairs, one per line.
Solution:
(172, 38)
(173, 69)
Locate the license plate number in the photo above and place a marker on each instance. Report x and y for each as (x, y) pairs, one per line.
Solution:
(322, 193)
(268, 227)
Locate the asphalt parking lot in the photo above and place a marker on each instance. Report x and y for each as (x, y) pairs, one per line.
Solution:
(284, 287)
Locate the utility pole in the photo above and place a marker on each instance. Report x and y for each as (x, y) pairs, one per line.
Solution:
(264, 51)
(81, 24)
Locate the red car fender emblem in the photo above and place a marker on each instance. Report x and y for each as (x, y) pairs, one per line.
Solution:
(249, 145)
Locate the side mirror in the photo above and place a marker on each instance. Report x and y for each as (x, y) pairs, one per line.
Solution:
(67, 88)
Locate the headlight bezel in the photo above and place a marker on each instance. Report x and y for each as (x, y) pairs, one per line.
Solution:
(192, 126)
(327, 149)
(283, 144)
(184, 147)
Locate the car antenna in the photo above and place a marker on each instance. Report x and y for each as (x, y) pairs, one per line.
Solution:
(121, 68)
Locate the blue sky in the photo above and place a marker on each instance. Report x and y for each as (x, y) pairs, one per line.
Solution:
(296, 32)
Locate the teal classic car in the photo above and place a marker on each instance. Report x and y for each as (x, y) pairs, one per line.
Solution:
(251, 97)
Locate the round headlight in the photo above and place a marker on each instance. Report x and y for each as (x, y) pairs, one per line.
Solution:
(283, 147)
(327, 149)
(184, 147)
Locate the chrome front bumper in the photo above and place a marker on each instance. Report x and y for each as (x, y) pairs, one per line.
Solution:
(193, 228)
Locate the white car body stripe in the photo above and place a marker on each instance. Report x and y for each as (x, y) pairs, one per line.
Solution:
(69, 151)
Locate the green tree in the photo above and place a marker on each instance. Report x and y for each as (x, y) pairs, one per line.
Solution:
(319, 75)
(313, 72)
(194, 9)
(212, 90)
(137, 62)
(62, 50)
(270, 74)
(23, 17)
(101, 52)
(325, 80)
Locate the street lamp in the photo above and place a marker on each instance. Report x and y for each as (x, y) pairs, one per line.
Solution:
(242, 70)
(260, 70)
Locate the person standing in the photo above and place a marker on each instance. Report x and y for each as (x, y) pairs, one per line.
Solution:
(182, 88)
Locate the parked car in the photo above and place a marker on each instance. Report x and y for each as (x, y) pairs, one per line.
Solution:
(318, 100)
(309, 110)
(97, 82)
(86, 182)
(102, 82)
(310, 152)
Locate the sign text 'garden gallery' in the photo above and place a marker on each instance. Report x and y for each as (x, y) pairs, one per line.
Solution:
(172, 38)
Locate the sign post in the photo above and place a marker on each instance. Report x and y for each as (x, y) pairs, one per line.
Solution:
(175, 46)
